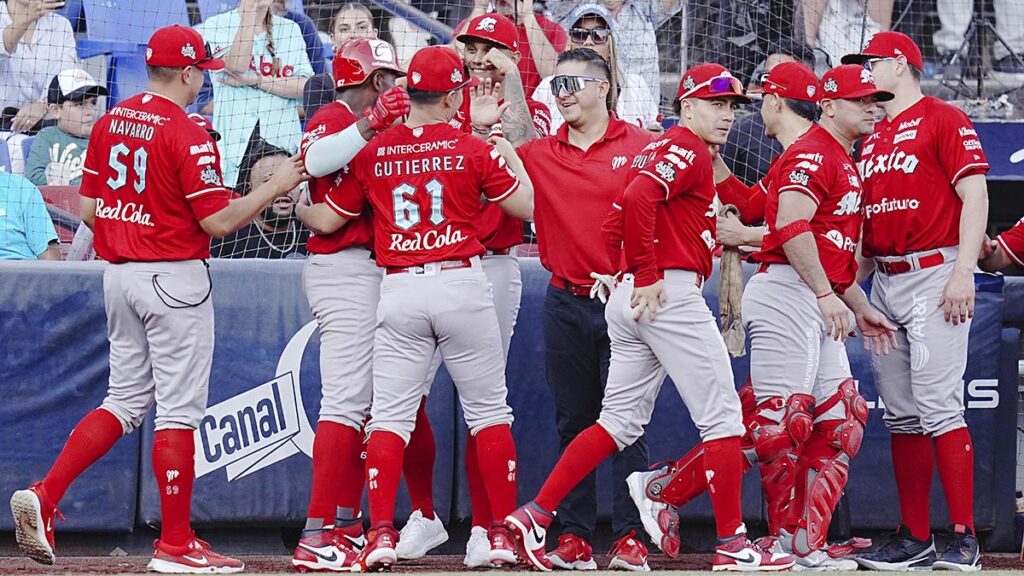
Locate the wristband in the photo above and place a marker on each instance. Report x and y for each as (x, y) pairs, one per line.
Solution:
(825, 295)
(792, 230)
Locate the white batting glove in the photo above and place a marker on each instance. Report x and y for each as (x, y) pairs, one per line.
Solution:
(603, 286)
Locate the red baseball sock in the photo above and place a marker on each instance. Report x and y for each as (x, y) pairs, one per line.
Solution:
(477, 488)
(331, 468)
(174, 467)
(722, 461)
(418, 466)
(383, 472)
(954, 454)
(496, 456)
(93, 437)
(580, 458)
(350, 489)
(912, 464)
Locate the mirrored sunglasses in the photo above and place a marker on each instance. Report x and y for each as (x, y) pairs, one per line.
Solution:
(570, 84)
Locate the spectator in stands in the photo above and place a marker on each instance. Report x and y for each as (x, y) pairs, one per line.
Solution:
(592, 26)
(260, 89)
(58, 152)
(275, 233)
(35, 45)
(26, 231)
(636, 43)
(310, 35)
(955, 17)
(838, 27)
(352, 20)
(540, 39)
(407, 37)
(748, 152)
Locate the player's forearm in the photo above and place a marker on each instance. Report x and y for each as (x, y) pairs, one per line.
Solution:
(283, 87)
(240, 211)
(319, 218)
(332, 153)
(639, 213)
(802, 253)
(753, 236)
(516, 124)
(855, 299)
(973, 220)
(544, 55)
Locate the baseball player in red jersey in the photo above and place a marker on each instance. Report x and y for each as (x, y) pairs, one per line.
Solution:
(595, 150)
(789, 107)
(1005, 251)
(152, 193)
(424, 181)
(659, 323)
(342, 284)
(497, 106)
(925, 212)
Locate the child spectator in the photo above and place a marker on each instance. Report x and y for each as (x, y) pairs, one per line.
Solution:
(58, 152)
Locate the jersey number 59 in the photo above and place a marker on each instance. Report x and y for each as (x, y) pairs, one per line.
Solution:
(118, 155)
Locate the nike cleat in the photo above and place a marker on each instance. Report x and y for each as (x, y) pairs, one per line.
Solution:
(503, 547)
(739, 554)
(962, 552)
(192, 558)
(379, 553)
(33, 523)
(322, 551)
(901, 552)
(529, 523)
(573, 553)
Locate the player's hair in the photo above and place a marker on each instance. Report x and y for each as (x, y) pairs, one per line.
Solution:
(596, 65)
(257, 150)
(424, 98)
(914, 71)
(802, 108)
(352, 7)
(162, 73)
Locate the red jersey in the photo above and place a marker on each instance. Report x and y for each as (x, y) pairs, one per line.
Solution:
(154, 174)
(331, 119)
(669, 211)
(818, 166)
(568, 217)
(498, 230)
(1012, 242)
(749, 200)
(424, 185)
(910, 166)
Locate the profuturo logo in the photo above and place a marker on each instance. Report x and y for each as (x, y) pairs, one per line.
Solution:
(261, 426)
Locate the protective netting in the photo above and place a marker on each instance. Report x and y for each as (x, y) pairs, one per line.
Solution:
(971, 56)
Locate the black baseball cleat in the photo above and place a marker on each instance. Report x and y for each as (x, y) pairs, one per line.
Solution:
(962, 552)
(901, 552)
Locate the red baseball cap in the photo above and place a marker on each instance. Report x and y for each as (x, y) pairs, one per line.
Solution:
(849, 82)
(439, 69)
(493, 28)
(178, 46)
(709, 80)
(888, 45)
(792, 80)
(205, 124)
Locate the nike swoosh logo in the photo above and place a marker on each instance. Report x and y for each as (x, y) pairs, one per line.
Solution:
(358, 542)
(538, 536)
(317, 552)
(746, 556)
(202, 561)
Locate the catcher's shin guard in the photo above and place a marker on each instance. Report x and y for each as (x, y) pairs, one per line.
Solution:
(685, 479)
(824, 466)
(779, 431)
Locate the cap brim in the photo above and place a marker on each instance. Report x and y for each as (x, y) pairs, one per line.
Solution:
(857, 58)
(470, 37)
(880, 95)
(472, 82)
(85, 92)
(708, 96)
(211, 64)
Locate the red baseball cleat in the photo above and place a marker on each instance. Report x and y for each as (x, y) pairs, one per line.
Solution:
(573, 553)
(628, 553)
(739, 554)
(379, 553)
(33, 523)
(529, 523)
(192, 558)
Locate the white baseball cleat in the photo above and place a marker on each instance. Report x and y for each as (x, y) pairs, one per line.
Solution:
(419, 536)
(478, 549)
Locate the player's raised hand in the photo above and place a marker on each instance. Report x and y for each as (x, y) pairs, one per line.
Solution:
(390, 107)
(484, 109)
(500, 61)
(836, 315)
(648, 298)
(957, 300)
(879, 333)
(290, 174)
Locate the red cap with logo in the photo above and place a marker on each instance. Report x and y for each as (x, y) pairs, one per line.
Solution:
(493, 28)
(888, 45)
(792, 80)
(179, 46)
(849, 82)
(439, 69)
(709, 80)
(359, 58)
(205, 124)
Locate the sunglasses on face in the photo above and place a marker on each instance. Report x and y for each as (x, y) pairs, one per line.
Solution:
(597, 35)
(870, 63)
(570, 84)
